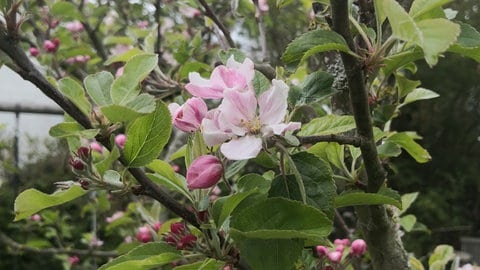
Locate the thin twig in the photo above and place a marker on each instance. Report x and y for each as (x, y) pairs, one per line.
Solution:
(261, 31)
(80, 252)
(209, 13)
(341, 139)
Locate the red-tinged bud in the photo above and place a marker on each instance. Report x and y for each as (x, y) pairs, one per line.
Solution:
(36, 218)
(334, 256)
(77, 164)
(202, 216)
(345, 242)
(227, 267)
(143, 235)
(73, 260)
(204, 172)
(329, 267)
(322, 251)
(34, 51)
(84, 184)
(83, 153)
(156, 227)
(49, 46)
(169, 239)
(120, 140)
(177, 228)
(187, 241)
(95, 146)
(56, 41)
(359, 247)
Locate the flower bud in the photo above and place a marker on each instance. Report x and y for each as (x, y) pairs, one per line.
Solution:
(344, 242)
(156, 227)
(95, 146)
(36, 218)
(49, 46)
(120, 140)
(73, 260)
(34, 51)
(322, 251)
(186, 241)
(83, 153)
(143, 235)
(84, 184)
(359, 247)
(189, 116)
(204, 172)
(177, 228)
(74, 27)
(335, 256)
(77, 164)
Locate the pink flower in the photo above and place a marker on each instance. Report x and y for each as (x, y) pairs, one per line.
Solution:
(95, 146)
(359, 247)
(189, 116)
(95, 242)
(236, 120)
(142, 24)
(175, 168)
(334, 256)
(322, 251)
(49, 46)
(204, 172)
(119, 72)
(73, 260)
(143, 235)
(34, 51)
(74, 26)
(339, 248)
(128, 239)
(233, 76)
(156, 227)
(120, 140)
(189, 12)
(36, 218)
(115, 216)
(345, 242)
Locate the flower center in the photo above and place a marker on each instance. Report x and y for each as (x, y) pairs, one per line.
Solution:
(252, 126)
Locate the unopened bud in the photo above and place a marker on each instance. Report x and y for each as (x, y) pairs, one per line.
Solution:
(77, 164)
(177, 228)
(359, 247)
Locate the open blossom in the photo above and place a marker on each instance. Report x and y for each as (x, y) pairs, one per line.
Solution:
(233, 76)
(189, 116)
(237, 120)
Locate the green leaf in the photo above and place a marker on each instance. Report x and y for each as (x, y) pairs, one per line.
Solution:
(143, 103)
(115, 40)
(407, 200)
(420, 7)
(330, 124)
(165, 176)
(126, 87)
(120, 113)
(106, 163)
(419, 94)
(473, 53)
(238, 55)
(414, 149)
(280, 218)
(66, 10)
(313, 42)
(147, 136)
(74, 91)
(316, 86)
(72, 129)
(269, 254)
(440, 257)
(404, 85)
(260, 83)
(403, 26)
(32, 201)
(408, 222)
(207, 264)
(394, 62)
(332, 152)
(146, 256)
(356, 197)
(98, 87)
(438, 35)
(253, 181)
(123, 57)
(389, 149)
(235, 168)
(469, 37)
(415, 263)
(229, 204)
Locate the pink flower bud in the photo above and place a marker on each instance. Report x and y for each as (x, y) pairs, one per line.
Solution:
(263, 5)
(186, 241)
(49, 46)
(189, 116)
(120, 140)
(77, 164)
(115, 216)
(74, 27)
(359, 247)
(344, 242)
(204, 172)
(83, 153)
(156, 227)
(143, 235)
(339, 248)
(34, 51)
(80, 59)
(335, 256)
(177, 228)
(175, 168)
(70, 60)
(73, 260)
(36, 218)
(95, 146)
(84, 184)
(322, 251)
(119, 72)
(56, 41)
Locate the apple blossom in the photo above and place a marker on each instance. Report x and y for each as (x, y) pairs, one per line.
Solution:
(204, 172)
(233, 76)
(236, 120)
(344, 242)
(120, 140)
(188, 117)
(359, 247)
(189, 12)
(322, 250)
(156, 227)
(74, 26)
(334, 256)
(115, 216)
(73, 260)
(34, 51)
(143, 235)
(95, 146)
(49, 46)
(36, 218)
(263, 5)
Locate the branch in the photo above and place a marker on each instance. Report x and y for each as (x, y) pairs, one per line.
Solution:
(209, 13)
(81, 252)
(341, 139)
(26, 69)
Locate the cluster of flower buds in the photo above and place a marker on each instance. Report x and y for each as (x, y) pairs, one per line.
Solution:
(341, 254)
(180, 236)
(145, 234)
(79, 59)
(51, 46)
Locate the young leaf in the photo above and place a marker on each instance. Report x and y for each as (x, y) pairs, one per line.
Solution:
(165, 176)
(98, 87)
(126, 87)
(144, 257)
(32, 201)
(229, 204)
(317, 86)
(330, 124)
(438, 36)
(72, 129)
(207, 264)
(420, 7)
(313, 42)
(407, 200)
(121, 113)
(403, 26)
(408, 222)
(147, 136)
(74, 91)
(414, 149)
(123, 57)
(384, 196)
(419, 94)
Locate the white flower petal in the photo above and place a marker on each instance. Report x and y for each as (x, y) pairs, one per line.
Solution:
(273, 103)
(242, 148)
